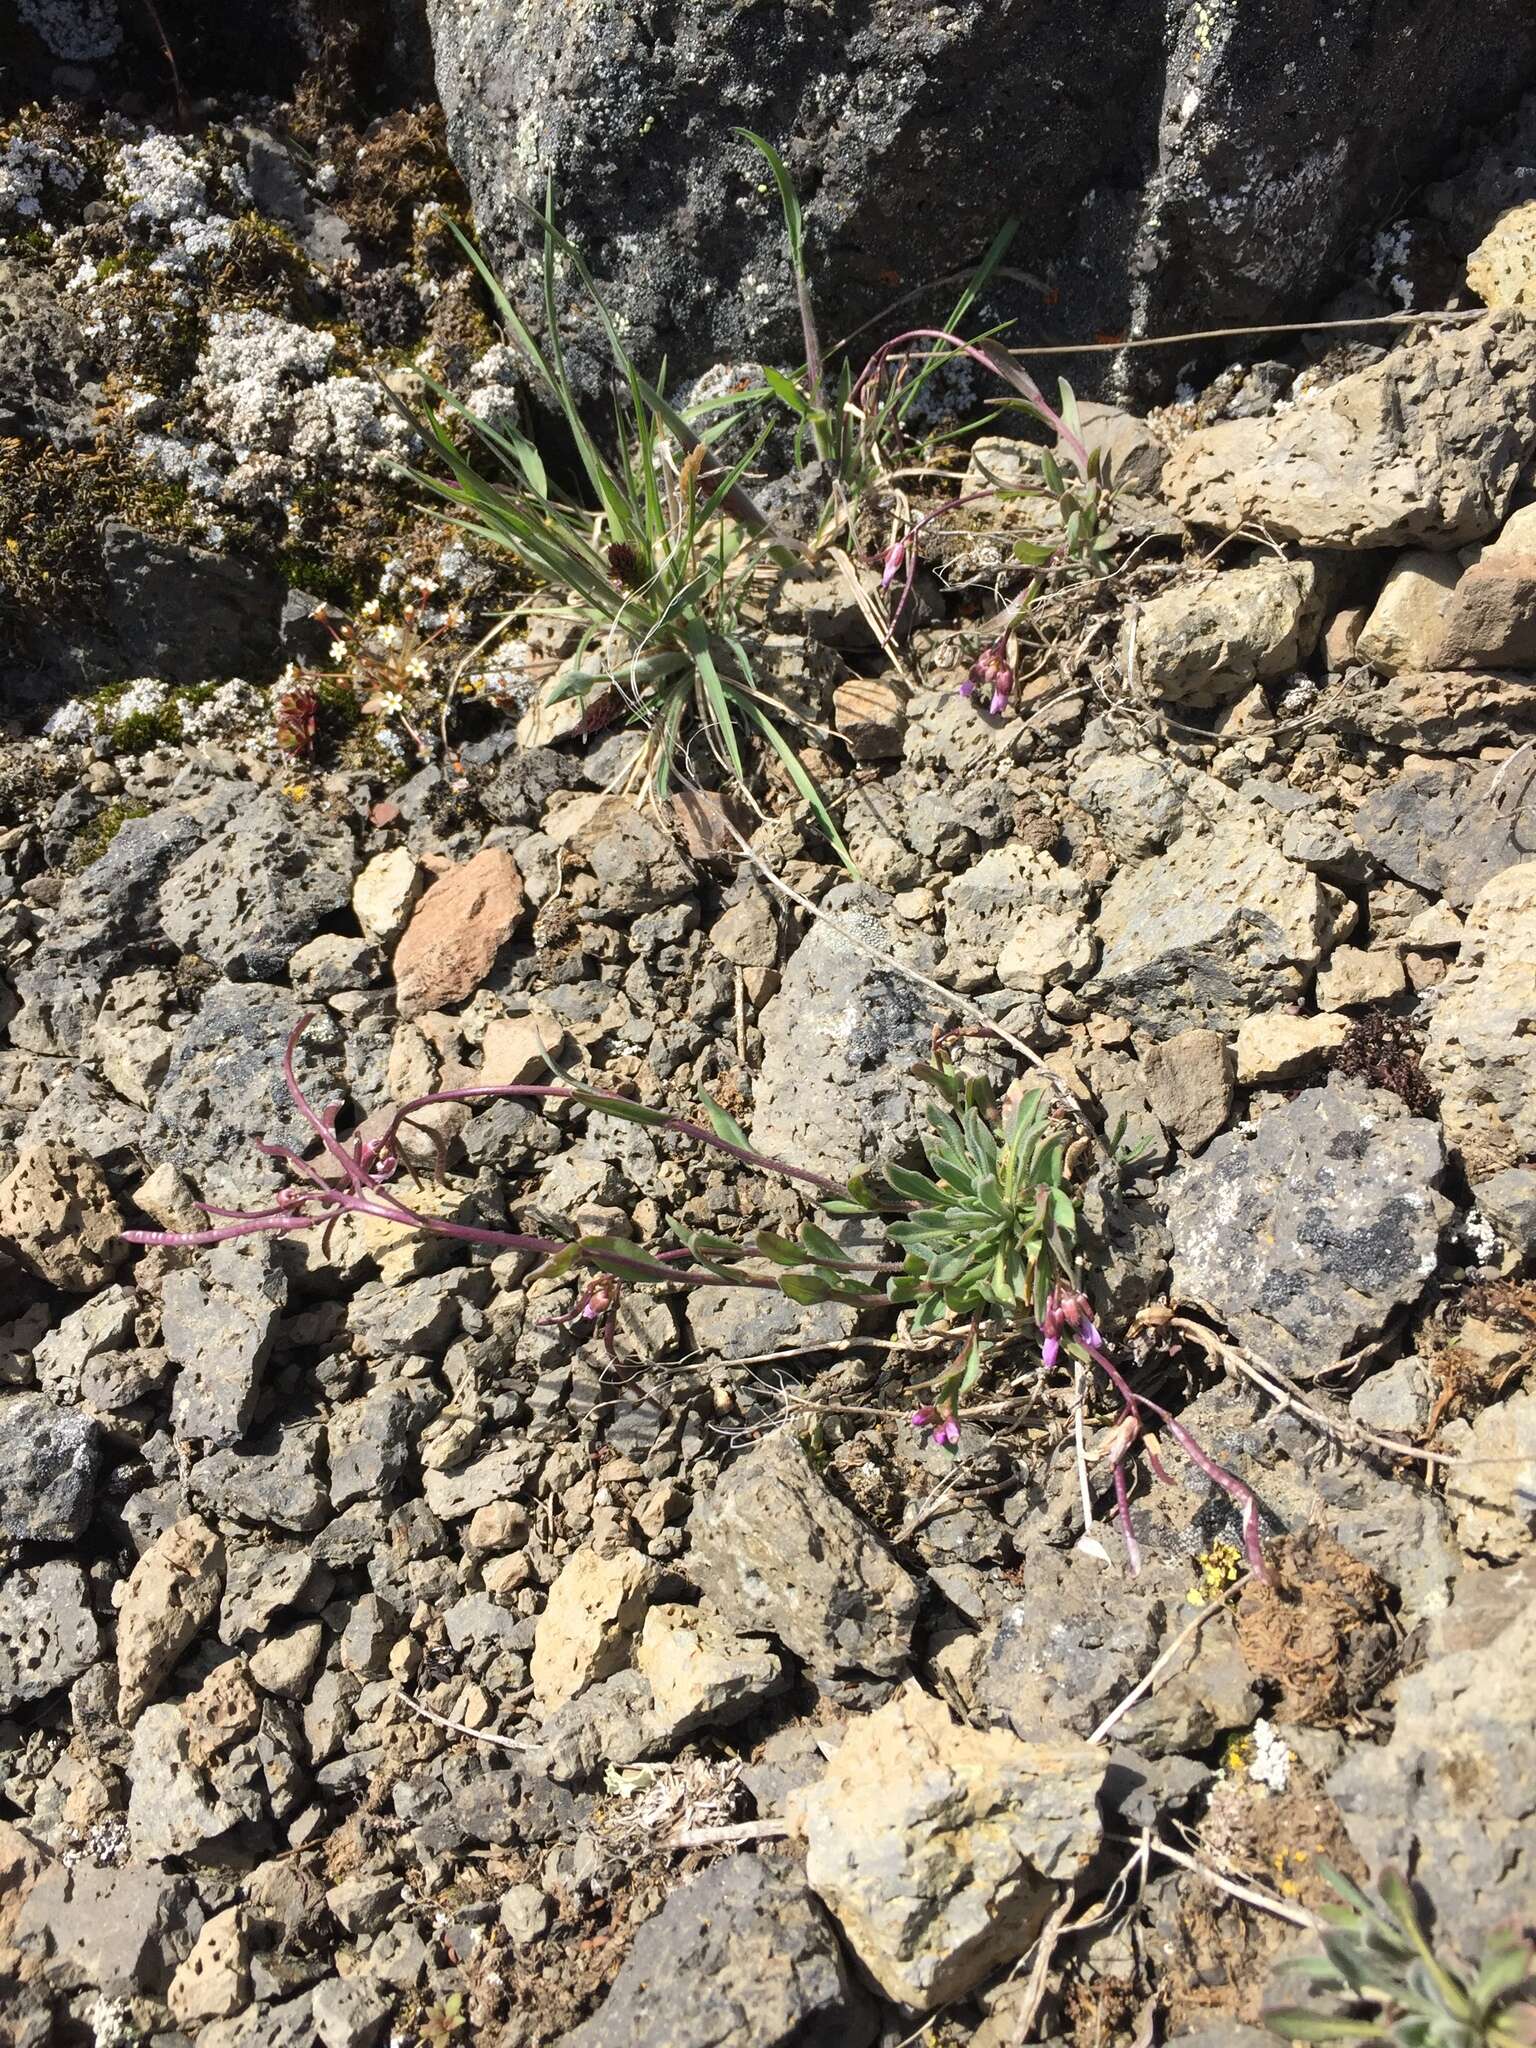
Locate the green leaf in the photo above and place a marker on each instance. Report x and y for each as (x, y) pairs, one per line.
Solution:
(622, 1255)
(1344, 1953)
(1069, 411)
(559, 1263)
(821, 1247)
(1291, 2023)
(788, 200)
(710, 1244)
(724, 1126)
(806, 1288)
(982, 275)
(780, 1249)
(970, 1372)
(946, 1129)
(616, 1105)
(929, 1312)
(980, 1142)
(787, 392)
(1348, 1891)
(696, 633)
(1507, 1961)
(1397, 1897)
(577, 684)
(914, 1186)
(952, 1266)
(803, 783)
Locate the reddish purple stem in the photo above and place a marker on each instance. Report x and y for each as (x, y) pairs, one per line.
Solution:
(314, 1201)
(1071, 1311)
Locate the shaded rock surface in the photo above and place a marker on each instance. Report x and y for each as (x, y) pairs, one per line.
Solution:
(1449, 828)
(1196, 120)
(743, 1953)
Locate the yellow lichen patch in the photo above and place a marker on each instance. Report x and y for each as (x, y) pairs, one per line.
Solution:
(1220, 1567)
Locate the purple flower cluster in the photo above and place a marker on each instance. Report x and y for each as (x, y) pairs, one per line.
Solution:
(992, 672)
(936, 1425)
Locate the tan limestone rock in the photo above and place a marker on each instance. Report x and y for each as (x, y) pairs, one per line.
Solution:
(594, 1610)
(939, 1847)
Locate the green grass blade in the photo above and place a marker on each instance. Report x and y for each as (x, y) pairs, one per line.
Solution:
(802, 781)
(716, 696)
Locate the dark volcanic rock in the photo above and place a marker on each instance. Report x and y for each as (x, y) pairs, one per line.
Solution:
(47, 1469)
(838, 1040)
(107, 920)
(1449, 828)
(224, 1089)
(48, 1634)
(43, 364)
(782, 1555)
(741, 1954)
(1308, 1236)
(119, 1932)
(1237, 174)
(247, 899)
(186, 613)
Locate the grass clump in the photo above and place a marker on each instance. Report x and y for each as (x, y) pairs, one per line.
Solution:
(664, 570)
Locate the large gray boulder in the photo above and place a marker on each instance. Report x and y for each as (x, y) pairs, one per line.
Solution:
(1218, 166)
(1424, 447)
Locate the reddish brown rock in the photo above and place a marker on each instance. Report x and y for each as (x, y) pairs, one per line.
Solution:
(456, 931)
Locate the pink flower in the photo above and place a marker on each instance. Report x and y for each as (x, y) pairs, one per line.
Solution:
(1067, 1310)
(893, 562)
(936, 1426)
(990, 671)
